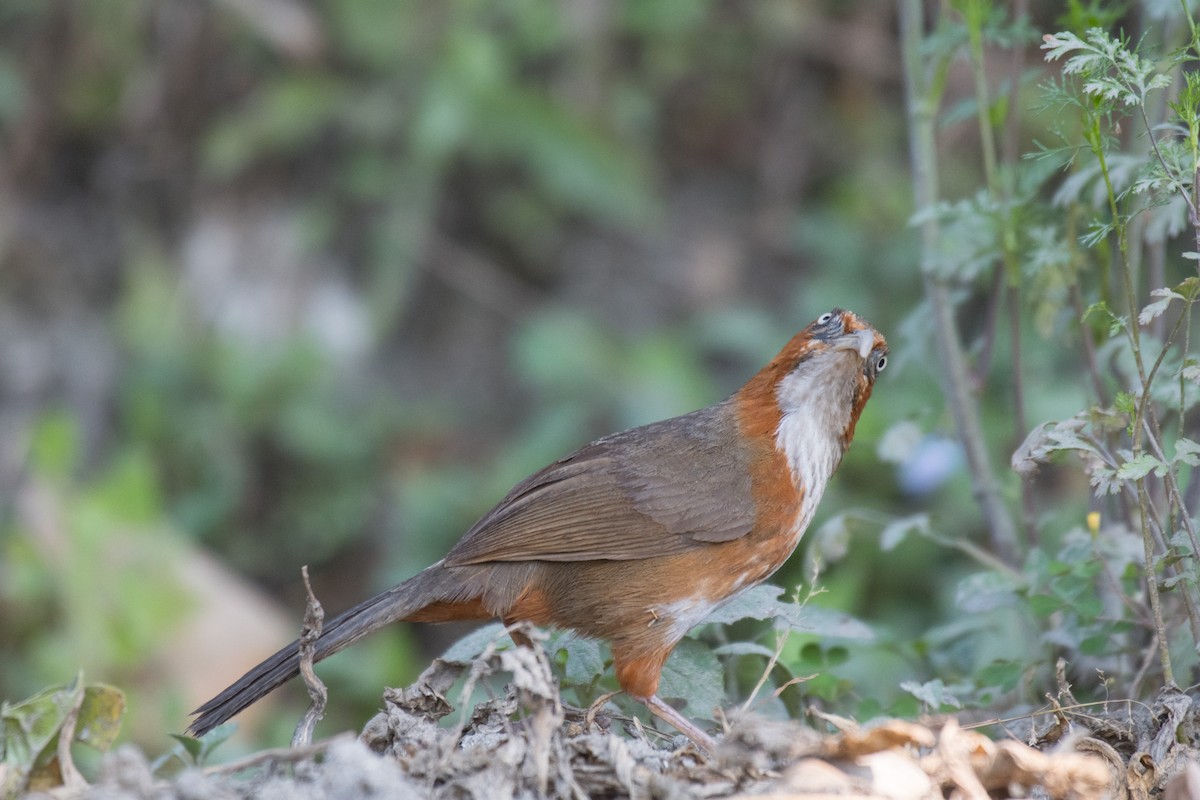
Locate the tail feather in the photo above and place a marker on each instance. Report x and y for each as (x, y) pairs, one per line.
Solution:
(397, 603)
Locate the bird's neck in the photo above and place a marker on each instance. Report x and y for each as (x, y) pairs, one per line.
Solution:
(812, 435)
(813, 451)
(815, 422)
(807, 415)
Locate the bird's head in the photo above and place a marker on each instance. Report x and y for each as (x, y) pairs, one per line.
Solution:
(821, 379)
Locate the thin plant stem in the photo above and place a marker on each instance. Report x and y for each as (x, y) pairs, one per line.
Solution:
(922, 98)
(1160, 628)
(1008, 267)
(974, 17)
(1145, 379)
(1010, 156)
(1011, 150)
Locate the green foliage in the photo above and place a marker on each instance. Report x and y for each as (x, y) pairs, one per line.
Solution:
(512, 133)
(1112, 73)
(1073, 230)
(91, 574)
(693, 678)
(193, 752)
(426, 93)
(934, 696)
(260, 450)
(31, 730)
(77, 566)
(1135, 468)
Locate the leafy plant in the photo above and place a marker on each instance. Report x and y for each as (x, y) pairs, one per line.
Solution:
(1135, 449)
(694, 675)
(1092, 237)
(192, 752)
(90, 565)
(37, 734)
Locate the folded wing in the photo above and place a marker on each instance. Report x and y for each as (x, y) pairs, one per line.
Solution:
(658, 490)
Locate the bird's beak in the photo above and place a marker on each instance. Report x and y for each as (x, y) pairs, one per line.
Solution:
(860, 342)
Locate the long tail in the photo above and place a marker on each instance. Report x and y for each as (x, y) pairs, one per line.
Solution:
(405, 600)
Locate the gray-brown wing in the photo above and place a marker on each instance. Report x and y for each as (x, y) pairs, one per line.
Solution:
(652, 491)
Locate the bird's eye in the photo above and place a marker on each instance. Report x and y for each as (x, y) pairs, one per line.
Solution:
(880, 363)
(824, 318)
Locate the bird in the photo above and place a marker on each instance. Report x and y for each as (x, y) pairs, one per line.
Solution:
(638, 536)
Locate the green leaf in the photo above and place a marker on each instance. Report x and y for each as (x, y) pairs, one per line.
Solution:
(1189, 288)
(1115, 323)
(1048, 438)
(1185, 578)
(196, 750)
(585, 660)
(759, 602)
(191, 745)
(932, 693)
(214, 739)
(812, 654)
(1154, 310)
(1141, 466)
(1043, 605)
(475, 642)
(763, 602)
(1056, 566)
(1181, 540)
(694, 675)
(829, 623)
(1001, 673)
(1088, 604)
(894, 532)
(1187, 452)
(29, 729)
(985, 591)
(100, 716)
(836, 655)
(1104, 481)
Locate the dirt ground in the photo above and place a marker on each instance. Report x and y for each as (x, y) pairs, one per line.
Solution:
(524, 744)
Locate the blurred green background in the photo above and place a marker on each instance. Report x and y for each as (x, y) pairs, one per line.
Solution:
(288, 283)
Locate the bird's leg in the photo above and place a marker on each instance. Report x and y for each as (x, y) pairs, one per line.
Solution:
(684, 725)
(638, 673)
(519, 638)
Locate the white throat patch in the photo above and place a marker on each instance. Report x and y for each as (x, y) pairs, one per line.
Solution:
(815, 401)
